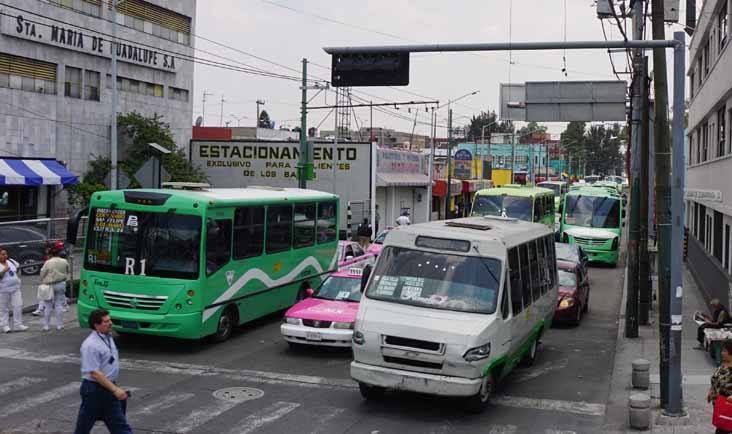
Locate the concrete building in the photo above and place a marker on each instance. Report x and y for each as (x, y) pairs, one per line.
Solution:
(708, 187)
(386, 137)
(55, 75)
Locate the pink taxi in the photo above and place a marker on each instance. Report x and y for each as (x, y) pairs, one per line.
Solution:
(326, 317)
(351, 254)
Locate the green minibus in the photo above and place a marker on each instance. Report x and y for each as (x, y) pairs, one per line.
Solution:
(531, 204)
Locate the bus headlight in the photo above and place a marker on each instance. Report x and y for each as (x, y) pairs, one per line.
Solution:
(478, 353)
(343, 325)
(292, 321)
(615, 243)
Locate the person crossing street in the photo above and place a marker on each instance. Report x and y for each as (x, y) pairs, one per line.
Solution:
(10, 295)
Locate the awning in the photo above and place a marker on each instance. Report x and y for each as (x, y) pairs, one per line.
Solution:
(402, 180)
(439, 188)
(473, 185)
(15, 171)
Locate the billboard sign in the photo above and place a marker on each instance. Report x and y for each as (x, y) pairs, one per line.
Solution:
(462, 163)
(245, 163)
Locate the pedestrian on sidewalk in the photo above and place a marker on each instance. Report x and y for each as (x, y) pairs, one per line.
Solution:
(364, 234)
(720, 316)
(55, 273)
(10, 295)
(61, 253)
(101, 398)
(722, 379)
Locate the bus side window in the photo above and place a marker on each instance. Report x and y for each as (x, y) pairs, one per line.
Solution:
(538, 208)
(248, 232)
(535, 269)
(327, 222)
(304, 227)
(279, 228)
(550, 205)
(551, 259)
(516, 285)
(525, 275)
(504, 301)
(218, 245)
(543, 271)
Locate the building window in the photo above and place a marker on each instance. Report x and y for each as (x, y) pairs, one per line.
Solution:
(692, 79)
(27, 74)
(717, 236)
(721, 133)
(706, 58)
(722, 25)
(178, 94)
(700, 69)
(72, 83)
(136, 86)
(91, 85)
(704, 140)
(155, 20)
(726, 248)
(89, 7)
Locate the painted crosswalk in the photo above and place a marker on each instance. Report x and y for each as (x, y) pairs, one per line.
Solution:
(20, 383)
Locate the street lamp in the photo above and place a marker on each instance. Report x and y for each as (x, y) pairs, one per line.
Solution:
(157, 180)
(238, 119)
(259, 102)
(449, 146)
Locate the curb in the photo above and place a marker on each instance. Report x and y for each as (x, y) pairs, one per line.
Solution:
(32, 307)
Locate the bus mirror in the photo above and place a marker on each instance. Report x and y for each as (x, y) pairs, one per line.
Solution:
(623, 214)
(72, 226)
(365, 277)
(310, 292)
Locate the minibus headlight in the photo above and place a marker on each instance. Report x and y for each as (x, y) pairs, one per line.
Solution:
(358, 338)
(478, 353)
(292, 321)
(615, 243)
(343, 325)
(566, 302)
(565, 238)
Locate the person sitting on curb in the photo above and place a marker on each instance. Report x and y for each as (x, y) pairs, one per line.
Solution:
(720, 316)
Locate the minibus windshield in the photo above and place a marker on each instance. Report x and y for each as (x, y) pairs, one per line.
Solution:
(436, 280)
(504, 206)
(556, 188)
(592, 211)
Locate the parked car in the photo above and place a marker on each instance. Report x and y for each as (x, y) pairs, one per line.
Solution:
(351, 253)
(327, 315)
(378, 243)
(25, 245)
(574, 293)
(572, 253)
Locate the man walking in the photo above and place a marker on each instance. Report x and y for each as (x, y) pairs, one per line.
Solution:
(364, 233)
(403, 220)
(101, 398)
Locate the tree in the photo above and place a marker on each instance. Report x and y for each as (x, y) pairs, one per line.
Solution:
(572, 140)
(490, 121)
(92, 181)
(532, 127)
(264, 121)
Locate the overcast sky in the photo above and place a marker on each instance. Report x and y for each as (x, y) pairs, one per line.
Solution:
(285, 31)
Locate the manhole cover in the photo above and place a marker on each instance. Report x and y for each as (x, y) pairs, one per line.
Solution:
(238, 394)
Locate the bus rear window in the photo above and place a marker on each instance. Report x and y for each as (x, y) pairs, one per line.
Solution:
(150, 243)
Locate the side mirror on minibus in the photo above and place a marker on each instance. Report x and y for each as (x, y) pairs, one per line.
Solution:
(365, 277)
(309, 292)
(72, 226)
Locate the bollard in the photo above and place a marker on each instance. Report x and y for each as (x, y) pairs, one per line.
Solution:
(641, 377)
(639, 411)
(348, 220)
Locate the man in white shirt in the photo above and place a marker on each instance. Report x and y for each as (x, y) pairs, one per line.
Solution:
(403, 220)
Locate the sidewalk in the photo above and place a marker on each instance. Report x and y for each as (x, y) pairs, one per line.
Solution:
(696, 367)
(29, 289)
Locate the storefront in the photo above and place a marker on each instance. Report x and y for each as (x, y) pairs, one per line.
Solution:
(28, 187)
(439, 191)
(469, 188)
(401, 186)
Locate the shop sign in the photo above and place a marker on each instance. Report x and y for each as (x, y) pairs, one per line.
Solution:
(43, 31)
(707, 195)
(462, 164)
(391, 161)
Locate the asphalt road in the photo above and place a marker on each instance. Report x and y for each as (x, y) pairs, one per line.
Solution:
(305, 391)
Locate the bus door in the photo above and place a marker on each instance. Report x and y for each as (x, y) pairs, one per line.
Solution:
(518, 322)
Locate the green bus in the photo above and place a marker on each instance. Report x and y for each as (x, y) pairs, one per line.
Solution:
(198, 262)
(560, 188)
(592, 217)
(531, 204)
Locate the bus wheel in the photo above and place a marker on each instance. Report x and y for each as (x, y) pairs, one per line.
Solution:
(530, 356)
(226, 324)
(478, 402)
(370, 392)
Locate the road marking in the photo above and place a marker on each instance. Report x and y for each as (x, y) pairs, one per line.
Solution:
(201, 415)
(190, 369)
(39, 399)
(324, 420)
(264, 417)
(502, 429)
(538, 372)
(576, 407)
(558, 431)
(165, 402)
(20, 383)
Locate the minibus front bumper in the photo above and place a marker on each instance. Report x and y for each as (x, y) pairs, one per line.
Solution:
(414, 381)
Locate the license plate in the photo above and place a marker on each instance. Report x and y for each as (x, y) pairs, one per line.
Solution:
(313, 336)
(129, 324)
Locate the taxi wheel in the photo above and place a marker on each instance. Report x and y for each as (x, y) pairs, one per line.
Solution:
(370, 392)
(478, 402)
(578, 317)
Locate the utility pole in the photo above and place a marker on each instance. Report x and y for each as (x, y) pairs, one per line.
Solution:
(113, 132)
(221, 119)
(449, 160)
(302, 165)
(431, 166)
(663, 199)
(644, 305)
(203, 110)
(513, 156)
(631, 304)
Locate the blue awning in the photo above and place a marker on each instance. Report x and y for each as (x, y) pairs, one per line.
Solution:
(34, 172)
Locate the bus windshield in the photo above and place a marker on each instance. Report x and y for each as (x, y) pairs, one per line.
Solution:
(592, 211)
(437, 281)
(504, 206)
(168, 243)
(339, 288)
(556, 188)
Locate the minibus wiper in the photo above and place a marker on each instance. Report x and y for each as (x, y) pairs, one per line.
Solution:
(486, 265)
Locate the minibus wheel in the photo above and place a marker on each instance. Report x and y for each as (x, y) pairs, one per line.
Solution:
(530, 356)
(225, 326)
(370, 392)
(478, 402)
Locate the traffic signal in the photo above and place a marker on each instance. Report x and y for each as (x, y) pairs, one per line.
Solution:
(370, 69)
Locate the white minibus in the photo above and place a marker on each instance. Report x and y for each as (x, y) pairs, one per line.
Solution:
(451, 307)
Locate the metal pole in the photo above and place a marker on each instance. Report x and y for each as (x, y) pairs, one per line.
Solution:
(431, 167)
(513, 156)
(449, 159)
(663, 198)
(677, 229)
(631, 304)
(113, 131)
(221, 117)
(304, 157)
(644, 305)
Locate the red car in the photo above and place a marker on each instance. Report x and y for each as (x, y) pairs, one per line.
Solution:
(574, 293)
